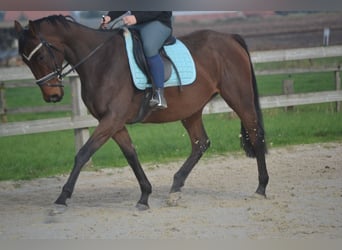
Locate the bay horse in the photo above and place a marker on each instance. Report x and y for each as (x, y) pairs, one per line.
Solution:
(223, 67)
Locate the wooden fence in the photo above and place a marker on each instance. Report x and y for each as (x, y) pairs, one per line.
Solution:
(80, 121)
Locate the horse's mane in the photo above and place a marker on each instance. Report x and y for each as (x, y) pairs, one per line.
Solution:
(55, 19)
(64, 20)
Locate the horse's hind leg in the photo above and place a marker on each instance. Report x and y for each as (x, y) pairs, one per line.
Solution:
(253, 141)
(252, 132)
(200, 143)
(124, 141)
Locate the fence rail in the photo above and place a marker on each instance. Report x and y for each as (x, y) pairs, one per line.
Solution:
(81, 121)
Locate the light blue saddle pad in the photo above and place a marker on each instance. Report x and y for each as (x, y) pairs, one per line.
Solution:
(178, 53)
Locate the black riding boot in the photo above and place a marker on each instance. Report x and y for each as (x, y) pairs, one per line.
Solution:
(158, 99)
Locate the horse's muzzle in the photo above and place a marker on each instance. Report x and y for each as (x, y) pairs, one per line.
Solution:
(54, 98)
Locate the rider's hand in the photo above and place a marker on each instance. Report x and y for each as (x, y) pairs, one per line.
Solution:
(129, 20)
(106, 19)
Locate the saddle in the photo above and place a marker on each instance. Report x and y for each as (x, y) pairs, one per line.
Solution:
(140, 58)
(173, 53)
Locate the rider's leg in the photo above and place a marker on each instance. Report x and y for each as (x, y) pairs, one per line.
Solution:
(156, 66)
(153, 35)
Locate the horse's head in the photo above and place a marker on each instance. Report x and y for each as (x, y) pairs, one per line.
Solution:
(44, 55)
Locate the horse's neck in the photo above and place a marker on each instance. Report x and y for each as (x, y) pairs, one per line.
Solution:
(81, 42)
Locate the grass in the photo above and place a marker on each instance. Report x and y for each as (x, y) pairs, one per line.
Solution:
(32, 97)
(48, 154)
(303, 83)
(36, 155)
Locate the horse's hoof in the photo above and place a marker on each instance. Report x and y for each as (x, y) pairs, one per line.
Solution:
(142, 207)
(173, 199)
(257, 196)
(261, 191)
(58, 209)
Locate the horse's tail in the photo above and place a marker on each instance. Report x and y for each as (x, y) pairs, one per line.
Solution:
(245, 141)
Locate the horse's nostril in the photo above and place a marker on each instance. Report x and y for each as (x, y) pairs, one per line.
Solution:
(55, 98)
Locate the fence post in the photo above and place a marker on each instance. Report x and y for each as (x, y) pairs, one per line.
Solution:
(326, 36)
(338, 87)
(2, 103)
(78, 110)
(287, 90)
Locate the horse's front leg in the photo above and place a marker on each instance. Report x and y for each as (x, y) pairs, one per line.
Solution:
(101, 134)
(124, 141)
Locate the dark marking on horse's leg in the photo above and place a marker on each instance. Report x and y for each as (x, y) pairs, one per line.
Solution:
(182, 174)
(257, 144)
(200, 143)
(179, 178)
(81, 159)
(67, 190)
(98, 138)
(263, 174)
(254, 144)
(123, 139)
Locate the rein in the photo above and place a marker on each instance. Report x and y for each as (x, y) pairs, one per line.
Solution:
(61, 76)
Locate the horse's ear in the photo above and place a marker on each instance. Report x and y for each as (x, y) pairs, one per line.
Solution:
(18, 27)
(32, 29)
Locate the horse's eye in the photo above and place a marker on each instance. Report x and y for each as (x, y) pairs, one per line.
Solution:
(40, 57)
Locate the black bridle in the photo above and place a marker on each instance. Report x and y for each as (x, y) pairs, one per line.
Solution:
(57, 72)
